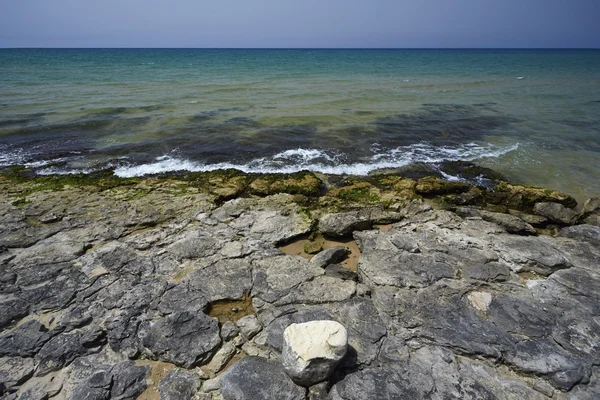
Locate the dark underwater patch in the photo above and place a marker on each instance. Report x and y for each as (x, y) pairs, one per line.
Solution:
(21, 119)
(440, 125)
(579, 123)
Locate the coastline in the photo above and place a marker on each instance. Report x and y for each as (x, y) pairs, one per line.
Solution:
(160, 285)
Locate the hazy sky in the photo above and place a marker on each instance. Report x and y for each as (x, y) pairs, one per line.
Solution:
(300, 23)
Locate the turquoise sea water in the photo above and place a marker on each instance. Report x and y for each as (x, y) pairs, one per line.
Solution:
(532, 114)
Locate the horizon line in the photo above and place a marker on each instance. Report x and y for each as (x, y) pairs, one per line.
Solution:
(296, 48)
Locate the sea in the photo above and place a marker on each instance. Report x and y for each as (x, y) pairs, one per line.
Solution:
(533, 115)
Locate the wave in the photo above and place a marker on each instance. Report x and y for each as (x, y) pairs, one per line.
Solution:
(295, 160)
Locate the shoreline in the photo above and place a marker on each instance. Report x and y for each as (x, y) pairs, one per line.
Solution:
(181, 285)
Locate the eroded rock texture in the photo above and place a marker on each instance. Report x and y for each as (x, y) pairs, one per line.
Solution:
(160, 288)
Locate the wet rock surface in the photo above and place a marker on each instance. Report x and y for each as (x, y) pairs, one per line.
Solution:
(456, 299)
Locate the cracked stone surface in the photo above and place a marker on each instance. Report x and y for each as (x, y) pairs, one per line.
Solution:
(444, 305)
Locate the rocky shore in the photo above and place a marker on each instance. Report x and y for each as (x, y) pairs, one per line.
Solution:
(177, 287)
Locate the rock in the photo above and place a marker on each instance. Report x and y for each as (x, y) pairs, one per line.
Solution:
(521, 197)
(225, 279)
(129, 380)
(25, 341)
(373, 384)
(183, 338)
(210, 385)
(339, 272)
(587, 233)
(511, 223)
(432, 186)
(229, 331)
(330, 256)
(321, 289)
(312, 350)
(254, 378)
(221, 358)
(556, 213)
(177, 385)
(62, 349)
(96, 386)
(15, 370)
(124, 381)
(183, 297)
(11, 311)
(249, 326)
(533, 219)
(590, 207)
(343, 224)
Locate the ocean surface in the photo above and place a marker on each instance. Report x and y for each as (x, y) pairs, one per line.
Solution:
(533, 115)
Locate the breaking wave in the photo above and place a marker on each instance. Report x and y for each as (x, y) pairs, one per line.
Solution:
(328, 162)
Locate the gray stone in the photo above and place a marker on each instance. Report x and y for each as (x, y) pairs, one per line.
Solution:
(322, 289)
(373, 384)
(544, 357)
(229, 331)
(129, 381)
(249, 326)
(257, 378)
(587, 233)
(62, 349)
(15, 370)
(122, 331)
(177, 385)
(226, 279)
(183, 338)
(220, 359)
(95, 387)
(556, 213)
(329, 256)
(511, 223)
(339, 272)
(590, 207)
(25, 341)
(11, 311)
(183, 297)
(343, 224)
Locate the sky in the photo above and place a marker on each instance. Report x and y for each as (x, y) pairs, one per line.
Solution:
(300, 23)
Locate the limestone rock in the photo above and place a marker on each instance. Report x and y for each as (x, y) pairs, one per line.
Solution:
(329, 256)
(343, 224)
(337, 271)
(182, 338)
(511, 223)
(249, 326)
(312, 350)
(556, 213)
(587, 233)
(254, 378)
(177, 385)
(229, 331)
(15, 370)
(25, 341)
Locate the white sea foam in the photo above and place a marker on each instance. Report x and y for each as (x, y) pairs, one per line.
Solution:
(294, 160)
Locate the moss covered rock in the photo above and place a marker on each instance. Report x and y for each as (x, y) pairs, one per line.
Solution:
(523, 197)
(432, 186)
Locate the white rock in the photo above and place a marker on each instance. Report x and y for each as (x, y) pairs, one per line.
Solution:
(480, 300)
(312, 350)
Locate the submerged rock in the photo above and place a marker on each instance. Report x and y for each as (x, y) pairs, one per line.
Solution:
(312, 350)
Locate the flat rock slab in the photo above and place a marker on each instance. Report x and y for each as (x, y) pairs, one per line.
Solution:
(255, 378)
